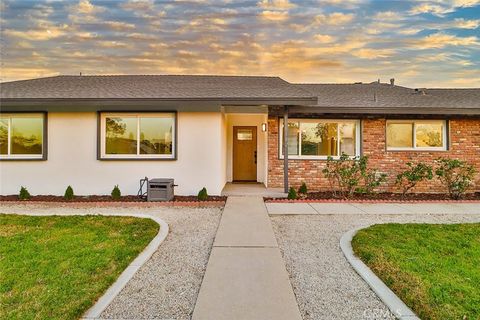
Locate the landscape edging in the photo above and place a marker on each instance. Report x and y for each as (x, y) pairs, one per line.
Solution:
(366, 201)
(102, 303)
(389, 298)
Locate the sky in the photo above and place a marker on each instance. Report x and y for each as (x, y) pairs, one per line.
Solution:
(419, 43)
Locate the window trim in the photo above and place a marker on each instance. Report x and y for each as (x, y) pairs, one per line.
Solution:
(321, 120)
(27, 157)
(101, 115)
(445, 132)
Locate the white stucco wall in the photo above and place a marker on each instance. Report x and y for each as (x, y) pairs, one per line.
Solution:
(238, 119)
(72, 159)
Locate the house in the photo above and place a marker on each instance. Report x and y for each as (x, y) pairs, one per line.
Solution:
(93, 132)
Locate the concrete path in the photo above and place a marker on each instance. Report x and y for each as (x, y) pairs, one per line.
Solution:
(246, 276)
(373, 208)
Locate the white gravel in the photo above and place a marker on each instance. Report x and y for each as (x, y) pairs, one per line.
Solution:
(325, 285)
(166, 286)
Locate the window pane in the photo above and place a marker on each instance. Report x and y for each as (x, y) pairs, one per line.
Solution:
(347, 138)
(3, 136)
(244, 134)
(293, 135)
(429, 135)
(156, 135)
(400, 135)
(26, 135)
(121, 135)
(319, 139)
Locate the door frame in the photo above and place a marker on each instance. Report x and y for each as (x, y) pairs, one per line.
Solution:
(234, 128)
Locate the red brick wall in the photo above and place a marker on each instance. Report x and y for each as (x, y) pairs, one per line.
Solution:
(464, 143)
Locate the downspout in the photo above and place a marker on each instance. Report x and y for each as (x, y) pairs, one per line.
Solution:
(285, 149)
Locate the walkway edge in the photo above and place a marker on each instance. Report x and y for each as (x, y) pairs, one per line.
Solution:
(391, 300)
(102, 303)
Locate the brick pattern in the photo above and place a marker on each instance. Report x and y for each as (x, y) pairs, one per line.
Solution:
(464, 144)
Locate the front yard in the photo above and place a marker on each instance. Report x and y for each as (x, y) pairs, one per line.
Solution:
(56, 267)
(434, 269)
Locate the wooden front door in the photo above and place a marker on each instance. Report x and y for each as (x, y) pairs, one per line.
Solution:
(244, 153)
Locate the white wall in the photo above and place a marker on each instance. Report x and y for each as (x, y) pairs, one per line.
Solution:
(238, 119)
(72, 159)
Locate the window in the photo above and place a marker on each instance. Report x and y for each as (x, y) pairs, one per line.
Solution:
(22, 136)
(416, 135)
(137, 136)
(318, 139)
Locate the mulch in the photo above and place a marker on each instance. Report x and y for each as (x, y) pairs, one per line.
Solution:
(94, 198)
(384, 196)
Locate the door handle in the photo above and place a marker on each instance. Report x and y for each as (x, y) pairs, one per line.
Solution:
(255, 156)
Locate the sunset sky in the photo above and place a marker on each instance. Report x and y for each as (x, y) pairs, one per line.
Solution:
(419, 43)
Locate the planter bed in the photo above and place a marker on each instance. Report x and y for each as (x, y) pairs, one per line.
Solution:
(94, 198)
(380, 197)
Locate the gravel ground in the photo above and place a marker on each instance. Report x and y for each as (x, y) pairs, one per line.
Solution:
(166, 286)
(325, 285)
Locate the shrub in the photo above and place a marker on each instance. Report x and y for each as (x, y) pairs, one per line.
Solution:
(371, 178)
(292, 194)
(202, 194)
(349, 175)
(456, 175)
(24, 194)
(409, 178)
(68, 193)
(303, 188)
(116, 193)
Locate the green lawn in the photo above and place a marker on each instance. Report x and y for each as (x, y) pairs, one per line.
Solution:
(434, 269)
(56, 267)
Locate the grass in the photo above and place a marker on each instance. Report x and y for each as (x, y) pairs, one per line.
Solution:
(434, 269)
(56, 267)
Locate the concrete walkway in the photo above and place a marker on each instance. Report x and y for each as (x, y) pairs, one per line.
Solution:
(373, 208)
(246, 276)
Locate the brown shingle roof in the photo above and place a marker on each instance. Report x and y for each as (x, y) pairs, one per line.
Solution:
(385, 96)
(152, 87)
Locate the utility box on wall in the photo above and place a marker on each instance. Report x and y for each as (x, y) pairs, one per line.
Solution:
(160, 190)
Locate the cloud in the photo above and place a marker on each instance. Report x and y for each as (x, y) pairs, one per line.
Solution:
(112, 44)
(138, 5)
(409, 31)
(324, 38)
(275, 4)
(387, 15)
(41, 33)
(368, 53)
(276, 16)
(440, 40)
(85, 7)
(119, 26)
(466, 24)
(334, 19)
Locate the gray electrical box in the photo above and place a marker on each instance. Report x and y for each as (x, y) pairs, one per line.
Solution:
(160, 190)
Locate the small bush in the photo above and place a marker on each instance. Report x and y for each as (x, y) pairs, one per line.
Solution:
(292, 194)
(456, 176)
(348, 175)
(202, 194)
(303, 189)
(24, 194)
(409, 178)
(68, 193)
(116, 193)
(371, 178)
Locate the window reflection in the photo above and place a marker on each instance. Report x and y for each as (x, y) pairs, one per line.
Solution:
(121, 135)
(26, 135)
(156, 135)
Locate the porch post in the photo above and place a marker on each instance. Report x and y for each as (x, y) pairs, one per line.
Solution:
(285, 149)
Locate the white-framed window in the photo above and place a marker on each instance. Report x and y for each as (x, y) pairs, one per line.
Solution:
(320, 138)
(23, 136)
(145, 135)
(420, 135)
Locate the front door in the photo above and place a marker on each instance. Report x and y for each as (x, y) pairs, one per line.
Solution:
(244, 153)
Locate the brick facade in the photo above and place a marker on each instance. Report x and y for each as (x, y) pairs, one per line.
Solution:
(464, 144)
